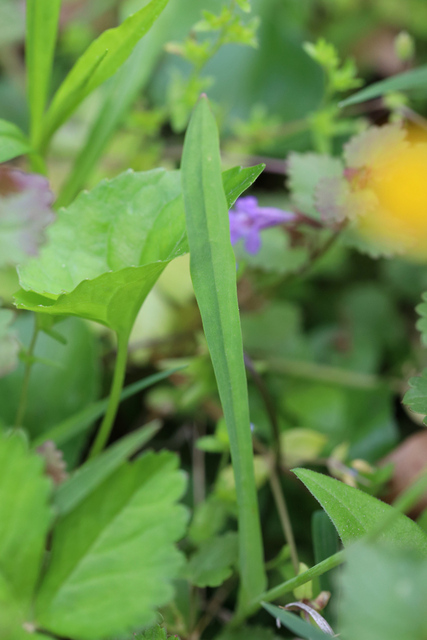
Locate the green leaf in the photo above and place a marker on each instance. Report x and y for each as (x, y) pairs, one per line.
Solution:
(295, 623)
(101, 60)
(209, 518)
(25, 515)
(213, 272)
(112, 558)
(152, 633)
(93, 472)
(355, 513)
(413, 79)
(416, 397)
(213, 562)
(238, 179)
(247, 633)
(325, 543)
(42, 18)
(9, 346)
(13, 142)
(79, 422)
(383, 595)
(108, 279)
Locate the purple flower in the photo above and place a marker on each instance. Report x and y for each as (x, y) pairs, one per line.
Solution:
(247, 220)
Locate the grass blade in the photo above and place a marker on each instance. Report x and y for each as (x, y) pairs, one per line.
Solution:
(42, 28)
(414, 79)
(213, 271)
(78, 423)
(93, 472)
(13, 142)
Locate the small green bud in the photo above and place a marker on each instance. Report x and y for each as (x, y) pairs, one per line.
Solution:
(404, 46)
(305, 591)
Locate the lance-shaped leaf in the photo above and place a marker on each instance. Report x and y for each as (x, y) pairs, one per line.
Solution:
(355, 513)
(25, 212)
(101, 60)
(295, 624)
(25, 517)
(213, 272)
(413, 79)
(108, 248)
(113, 557)
(13, 142)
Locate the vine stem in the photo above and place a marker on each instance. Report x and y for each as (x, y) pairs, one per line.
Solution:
(114, 399)
(285, 521)
(20, 414)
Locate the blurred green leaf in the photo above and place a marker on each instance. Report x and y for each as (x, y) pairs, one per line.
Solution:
(24, 494)
(92, 473)
(152, 633)
(325, 544)
(9, 346)
(78, 423)
(355, 513)
(213, 272)
(421, 309)
(383, 595)
(55, 392)
(214, 560)
(209, 518)
(13, 142)
(413, 79)
(112, 558)
(416, 397)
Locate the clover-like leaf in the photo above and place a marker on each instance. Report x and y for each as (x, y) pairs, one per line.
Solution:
(25, 518)
(25, 212)
(113, 557)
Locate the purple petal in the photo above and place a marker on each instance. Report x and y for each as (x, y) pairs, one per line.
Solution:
(253, 241)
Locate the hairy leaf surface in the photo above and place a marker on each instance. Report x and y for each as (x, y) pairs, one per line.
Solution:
(355, 513)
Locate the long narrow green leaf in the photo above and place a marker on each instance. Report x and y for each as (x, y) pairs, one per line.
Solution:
(42, 28)
(99, 62)
(13, 142)
(93, 472)
(78, 423)
(120, 94)
(213, 271)
(414, 79)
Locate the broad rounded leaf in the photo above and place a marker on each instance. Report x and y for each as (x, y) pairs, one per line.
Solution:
(213, 562)
(107, 250)
(113, 557)
(355, 513)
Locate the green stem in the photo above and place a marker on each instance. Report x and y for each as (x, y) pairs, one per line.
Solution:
(20, 414)
(284, 588)
(285, 521)
(114, 399)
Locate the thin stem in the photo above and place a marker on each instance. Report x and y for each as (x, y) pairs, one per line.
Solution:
(114, 399)
(284, 588)
(285, 521)
(275, 485)
(22, 407)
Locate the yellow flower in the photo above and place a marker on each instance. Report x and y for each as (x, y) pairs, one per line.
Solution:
(384, 196)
